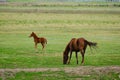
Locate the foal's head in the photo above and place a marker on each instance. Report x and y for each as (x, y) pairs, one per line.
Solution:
(65, 57)
(32, 34)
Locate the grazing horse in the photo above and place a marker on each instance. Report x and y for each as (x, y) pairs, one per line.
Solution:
(37, 40)
(76, 45)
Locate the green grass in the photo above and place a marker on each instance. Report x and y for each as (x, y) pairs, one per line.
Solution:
(17, 49)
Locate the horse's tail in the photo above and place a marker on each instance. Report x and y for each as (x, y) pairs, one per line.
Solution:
(91, 44)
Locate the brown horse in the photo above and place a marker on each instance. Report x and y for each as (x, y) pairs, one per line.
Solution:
(76, 45)
(37, 40)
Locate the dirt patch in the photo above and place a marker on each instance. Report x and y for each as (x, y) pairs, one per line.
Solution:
(77, 70)
(82, 70)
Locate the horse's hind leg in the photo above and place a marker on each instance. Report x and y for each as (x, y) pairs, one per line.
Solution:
(43, 46)
(76, 57)
(82, 53)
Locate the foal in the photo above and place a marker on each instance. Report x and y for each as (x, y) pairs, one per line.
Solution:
(77, 45)
(37, 40)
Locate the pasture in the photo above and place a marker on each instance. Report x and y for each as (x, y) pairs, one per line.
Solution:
(17, 49)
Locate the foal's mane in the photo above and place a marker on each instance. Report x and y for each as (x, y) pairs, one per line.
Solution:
(34, 35)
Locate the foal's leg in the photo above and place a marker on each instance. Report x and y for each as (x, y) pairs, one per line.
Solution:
(77, 57)
(35, 45)
(43, 46)
(70, 57)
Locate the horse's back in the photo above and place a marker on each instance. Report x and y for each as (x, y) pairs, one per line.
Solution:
(43, 40)
(73, 44)
(81, 42)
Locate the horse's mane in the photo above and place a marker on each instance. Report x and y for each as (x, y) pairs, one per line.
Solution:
(67, 49)
(35, 35)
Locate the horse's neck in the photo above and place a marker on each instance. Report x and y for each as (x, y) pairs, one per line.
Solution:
(35, 36)
(66, 52)
(67, 49)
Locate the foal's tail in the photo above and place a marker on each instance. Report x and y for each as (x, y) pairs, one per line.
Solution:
(46, 41)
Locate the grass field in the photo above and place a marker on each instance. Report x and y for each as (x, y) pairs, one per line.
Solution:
(17, 49)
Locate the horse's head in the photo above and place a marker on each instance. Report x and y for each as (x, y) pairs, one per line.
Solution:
(32, 34)
(65, 57)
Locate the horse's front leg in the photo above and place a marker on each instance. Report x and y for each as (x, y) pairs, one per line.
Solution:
(70, 57)
(35, 45)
